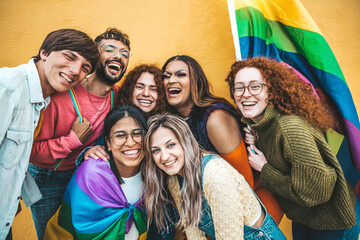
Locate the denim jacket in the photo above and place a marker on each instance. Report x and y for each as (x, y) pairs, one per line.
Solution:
(21, 100)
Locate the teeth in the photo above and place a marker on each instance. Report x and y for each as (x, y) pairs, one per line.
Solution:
(146, 102)
(131, 152)
(63, 76)
(114, 66)
(174, 90)
(248, 104)
(169, 163)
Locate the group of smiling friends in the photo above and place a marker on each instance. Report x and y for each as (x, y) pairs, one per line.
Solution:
(162, 157)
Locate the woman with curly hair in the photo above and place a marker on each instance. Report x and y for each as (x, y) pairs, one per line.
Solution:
(214, 122)
(143, 87)
(295, 162)
(212, 199)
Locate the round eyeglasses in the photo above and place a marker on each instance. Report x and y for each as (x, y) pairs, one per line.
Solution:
(120, 137)
(112, 50)
(253, 88)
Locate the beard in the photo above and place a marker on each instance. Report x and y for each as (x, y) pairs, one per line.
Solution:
(107, 78)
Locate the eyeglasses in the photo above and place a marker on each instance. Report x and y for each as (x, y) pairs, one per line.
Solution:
(120, 137)
(253, 88)
(112, 50)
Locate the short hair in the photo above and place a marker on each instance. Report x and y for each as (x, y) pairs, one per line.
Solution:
(73, 40)
(113, 33)
(127, 88)
(200, 86)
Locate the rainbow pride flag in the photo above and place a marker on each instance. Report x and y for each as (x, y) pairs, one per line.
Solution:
(95, 207)
(284, 30)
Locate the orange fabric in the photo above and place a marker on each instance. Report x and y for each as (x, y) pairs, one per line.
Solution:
(268, 199)
(239, 160)
(38, 127)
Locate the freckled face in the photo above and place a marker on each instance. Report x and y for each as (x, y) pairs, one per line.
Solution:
(252, 107)
(167, 151)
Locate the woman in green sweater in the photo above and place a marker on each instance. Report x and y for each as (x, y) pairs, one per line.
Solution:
(295, 162)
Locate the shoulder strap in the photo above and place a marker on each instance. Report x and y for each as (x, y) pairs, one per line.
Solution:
(206, 158)
(75, 103)
(77, 109)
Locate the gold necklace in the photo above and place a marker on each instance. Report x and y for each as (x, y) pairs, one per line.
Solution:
(92, 103)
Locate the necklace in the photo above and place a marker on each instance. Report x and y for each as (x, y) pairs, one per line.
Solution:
(91, 101)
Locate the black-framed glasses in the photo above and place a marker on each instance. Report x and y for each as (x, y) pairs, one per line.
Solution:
(253, 88)
(112, 50)
(120, 137)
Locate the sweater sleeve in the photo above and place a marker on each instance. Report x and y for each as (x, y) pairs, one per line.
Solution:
(310, 180)
(231, 199)
(48, 148)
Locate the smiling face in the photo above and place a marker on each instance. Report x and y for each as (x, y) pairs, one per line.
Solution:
(252, 107)
(177, 85)
(145, 92)
(167, 152)
(62, 70)
(127, 156)
(112, 66)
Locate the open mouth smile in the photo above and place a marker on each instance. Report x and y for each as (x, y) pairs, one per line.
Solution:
(114, 66)
(173, 91)
(145, 102)
(170, 163)
(66, 78)
(131, 153)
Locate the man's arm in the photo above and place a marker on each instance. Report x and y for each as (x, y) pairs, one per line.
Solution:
(7, 106)
(48, 148)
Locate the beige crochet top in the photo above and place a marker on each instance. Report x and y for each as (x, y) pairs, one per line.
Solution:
(230, 197)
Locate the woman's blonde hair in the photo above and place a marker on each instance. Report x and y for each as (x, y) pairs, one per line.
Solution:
(156, 180)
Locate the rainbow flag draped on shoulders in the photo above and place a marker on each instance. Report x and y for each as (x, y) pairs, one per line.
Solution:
(94, 206)
(284, 30)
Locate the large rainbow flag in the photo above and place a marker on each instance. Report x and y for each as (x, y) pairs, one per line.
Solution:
(284, 30)
(94, 206)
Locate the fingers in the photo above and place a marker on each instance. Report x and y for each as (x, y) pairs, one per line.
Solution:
(257, 151)
(96, 153)
(246, 130)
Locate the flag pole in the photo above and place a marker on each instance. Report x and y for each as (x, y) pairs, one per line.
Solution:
(234, 30)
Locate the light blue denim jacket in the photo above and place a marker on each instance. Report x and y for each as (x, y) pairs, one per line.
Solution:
(21, 100)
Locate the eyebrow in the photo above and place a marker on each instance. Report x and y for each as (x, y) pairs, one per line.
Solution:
(134, 129)
(152, 85)
(77, 57)
(251, 81)
(154, 146)
(180, 70)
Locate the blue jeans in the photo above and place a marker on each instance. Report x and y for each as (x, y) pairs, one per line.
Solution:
(302, 232)
(52, 185)
(267, 230)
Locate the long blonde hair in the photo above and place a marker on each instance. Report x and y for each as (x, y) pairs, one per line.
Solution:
(156, 180)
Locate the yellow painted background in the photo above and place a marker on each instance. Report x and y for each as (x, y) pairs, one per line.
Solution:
(159, 29)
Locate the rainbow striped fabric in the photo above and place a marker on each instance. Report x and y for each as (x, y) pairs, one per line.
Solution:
(284, 30)
(94, 206)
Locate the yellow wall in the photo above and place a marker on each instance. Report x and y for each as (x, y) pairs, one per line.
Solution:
(159, 29)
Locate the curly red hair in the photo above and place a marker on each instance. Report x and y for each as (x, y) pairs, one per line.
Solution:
(127, 88)
(287, 92)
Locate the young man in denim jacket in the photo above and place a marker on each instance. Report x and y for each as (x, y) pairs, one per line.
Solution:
(64, 59)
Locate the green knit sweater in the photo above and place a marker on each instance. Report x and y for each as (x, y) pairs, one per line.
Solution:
(303, 172)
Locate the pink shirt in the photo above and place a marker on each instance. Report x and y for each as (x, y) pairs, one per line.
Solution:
(56, 140)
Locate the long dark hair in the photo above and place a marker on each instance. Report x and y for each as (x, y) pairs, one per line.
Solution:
(112, 118)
